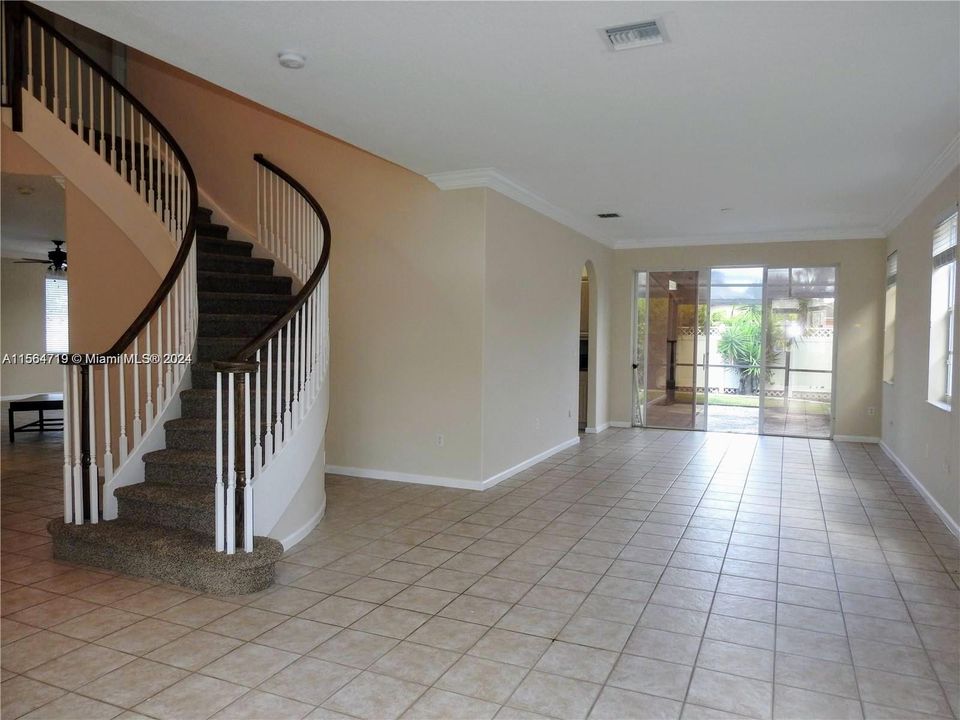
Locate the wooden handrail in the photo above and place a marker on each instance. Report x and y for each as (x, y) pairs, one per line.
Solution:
(132, 332)
(244, 360)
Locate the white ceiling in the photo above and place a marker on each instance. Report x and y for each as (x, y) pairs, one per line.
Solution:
(806, 119)
(29, 222)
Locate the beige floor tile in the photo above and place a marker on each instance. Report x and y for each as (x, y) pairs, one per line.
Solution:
(448, 634)
(437, 704)
(534, 621)
(375, 697)
(80, 666)
(510, 647)
(194, 650)
(153, 600)
(309, 680)
(391, 622)
(371, 590)
(736, 659)
(144, 636)
(97, 624)
(577, 661)
(731, 693)
(297, 635)
(653, 677)
(11, 631)
(902, 692)
(663, 645)
(338, 611)
(35, 650)
(20, 695)
(480, 678)
(555, 696)
(194, 698)
(422, 599)
(53, 612)
(817, 675)
(133, 683)
(197, 611)
(795, 704)
(476, 610)
(618, 704)
(257, 705)
(415, 663)
(245, 623)
(71, 707)
(354, 648)
(601, 634)
(249, 664)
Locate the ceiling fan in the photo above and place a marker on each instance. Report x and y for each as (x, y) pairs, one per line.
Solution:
(56, 258)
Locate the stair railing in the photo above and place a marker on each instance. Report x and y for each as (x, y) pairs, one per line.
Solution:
(285, 368)
(146, 363)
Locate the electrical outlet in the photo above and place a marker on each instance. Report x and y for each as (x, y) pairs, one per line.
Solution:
(569, 413)
(536, 424)
(440, 440)
(871, 410)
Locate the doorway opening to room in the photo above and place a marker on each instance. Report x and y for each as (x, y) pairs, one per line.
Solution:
(584, 351)
(735, 349)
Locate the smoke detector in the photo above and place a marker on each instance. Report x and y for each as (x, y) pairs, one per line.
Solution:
(291, 60)
(635, 35)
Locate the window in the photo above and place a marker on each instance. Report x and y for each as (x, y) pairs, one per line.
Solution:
(890, 318)
(55, 292)
(943, 288)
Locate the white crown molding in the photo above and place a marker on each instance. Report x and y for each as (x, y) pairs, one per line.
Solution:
(493, 179)
(925, 184)
(751, 238)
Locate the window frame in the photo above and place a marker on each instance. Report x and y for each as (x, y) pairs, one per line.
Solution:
(62, 314)
(940, 372)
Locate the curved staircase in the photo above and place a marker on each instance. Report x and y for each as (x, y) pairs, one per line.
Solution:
(164, 467)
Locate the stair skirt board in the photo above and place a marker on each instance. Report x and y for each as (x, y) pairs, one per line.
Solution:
(131, 472)
(458, 483)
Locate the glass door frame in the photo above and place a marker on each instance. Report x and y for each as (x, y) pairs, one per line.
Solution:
(639, 365)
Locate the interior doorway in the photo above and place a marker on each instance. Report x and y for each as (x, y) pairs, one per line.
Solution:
(736, 349)
(583, 346)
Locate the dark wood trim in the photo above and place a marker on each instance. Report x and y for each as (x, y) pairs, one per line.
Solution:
(14, 50)
(186, 244)
(248, 354)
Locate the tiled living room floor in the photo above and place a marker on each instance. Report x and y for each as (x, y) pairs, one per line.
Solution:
(644, 574)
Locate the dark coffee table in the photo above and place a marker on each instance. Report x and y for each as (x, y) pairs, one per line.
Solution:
(38, 404)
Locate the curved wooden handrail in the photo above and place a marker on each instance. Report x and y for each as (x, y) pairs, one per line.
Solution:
(186, 243)
(243, 360)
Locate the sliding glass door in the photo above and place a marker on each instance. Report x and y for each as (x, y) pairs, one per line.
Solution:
(745, 349)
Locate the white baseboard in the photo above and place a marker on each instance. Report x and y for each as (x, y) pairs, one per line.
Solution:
(529, 462)
(450, 482)
(595, 430)
(300, 533)
(375, 474)
(8, 398)
(857, 439)
(952, 525)
(620, 424)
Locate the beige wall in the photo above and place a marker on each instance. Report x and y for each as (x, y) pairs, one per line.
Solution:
(406, 262)
(22, 322)
(110, 280)
(531, 328)
(859, 318)
(925, 438)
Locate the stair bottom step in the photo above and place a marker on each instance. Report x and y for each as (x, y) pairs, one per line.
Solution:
(178, 556)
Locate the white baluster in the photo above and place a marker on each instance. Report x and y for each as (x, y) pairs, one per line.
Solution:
(295, 404)
(29, 61)
(141, 153)
(268, 438)
(257, 449)
(231, 467)
(169, 369)
(77, 432)
(43, 66)
(68, 428)
(248, 470)
(278, 426)
(159, 353)
(219, 486)
(101, 135)
(66, 87)
(94, 479)
(107, 454)
(122, 390)
(137, 422)
(148, 405)
(79, 99)
(123, 140)
(56, 79)
(288, 390)
(91, 112)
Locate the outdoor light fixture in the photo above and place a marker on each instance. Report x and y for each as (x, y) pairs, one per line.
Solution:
(794, 330)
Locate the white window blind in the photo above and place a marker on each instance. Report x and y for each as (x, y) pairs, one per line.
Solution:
(892, 268)
(57, 327)
(945, 242)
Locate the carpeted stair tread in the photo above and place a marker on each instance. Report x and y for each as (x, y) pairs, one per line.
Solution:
(213, 281)
(181, 457)
(227, 324)
(234, 302)
(212, 229)
(180, 556)
(204, 214)
(181, 497)
(222, 246)
(234, 264)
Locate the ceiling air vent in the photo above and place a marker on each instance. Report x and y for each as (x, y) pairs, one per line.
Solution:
(608, 215)
(626, 37)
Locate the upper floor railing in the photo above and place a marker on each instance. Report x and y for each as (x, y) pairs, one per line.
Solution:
(131, 383)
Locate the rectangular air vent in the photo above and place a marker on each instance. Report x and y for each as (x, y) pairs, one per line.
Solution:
(608, 215)
(626, 37)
